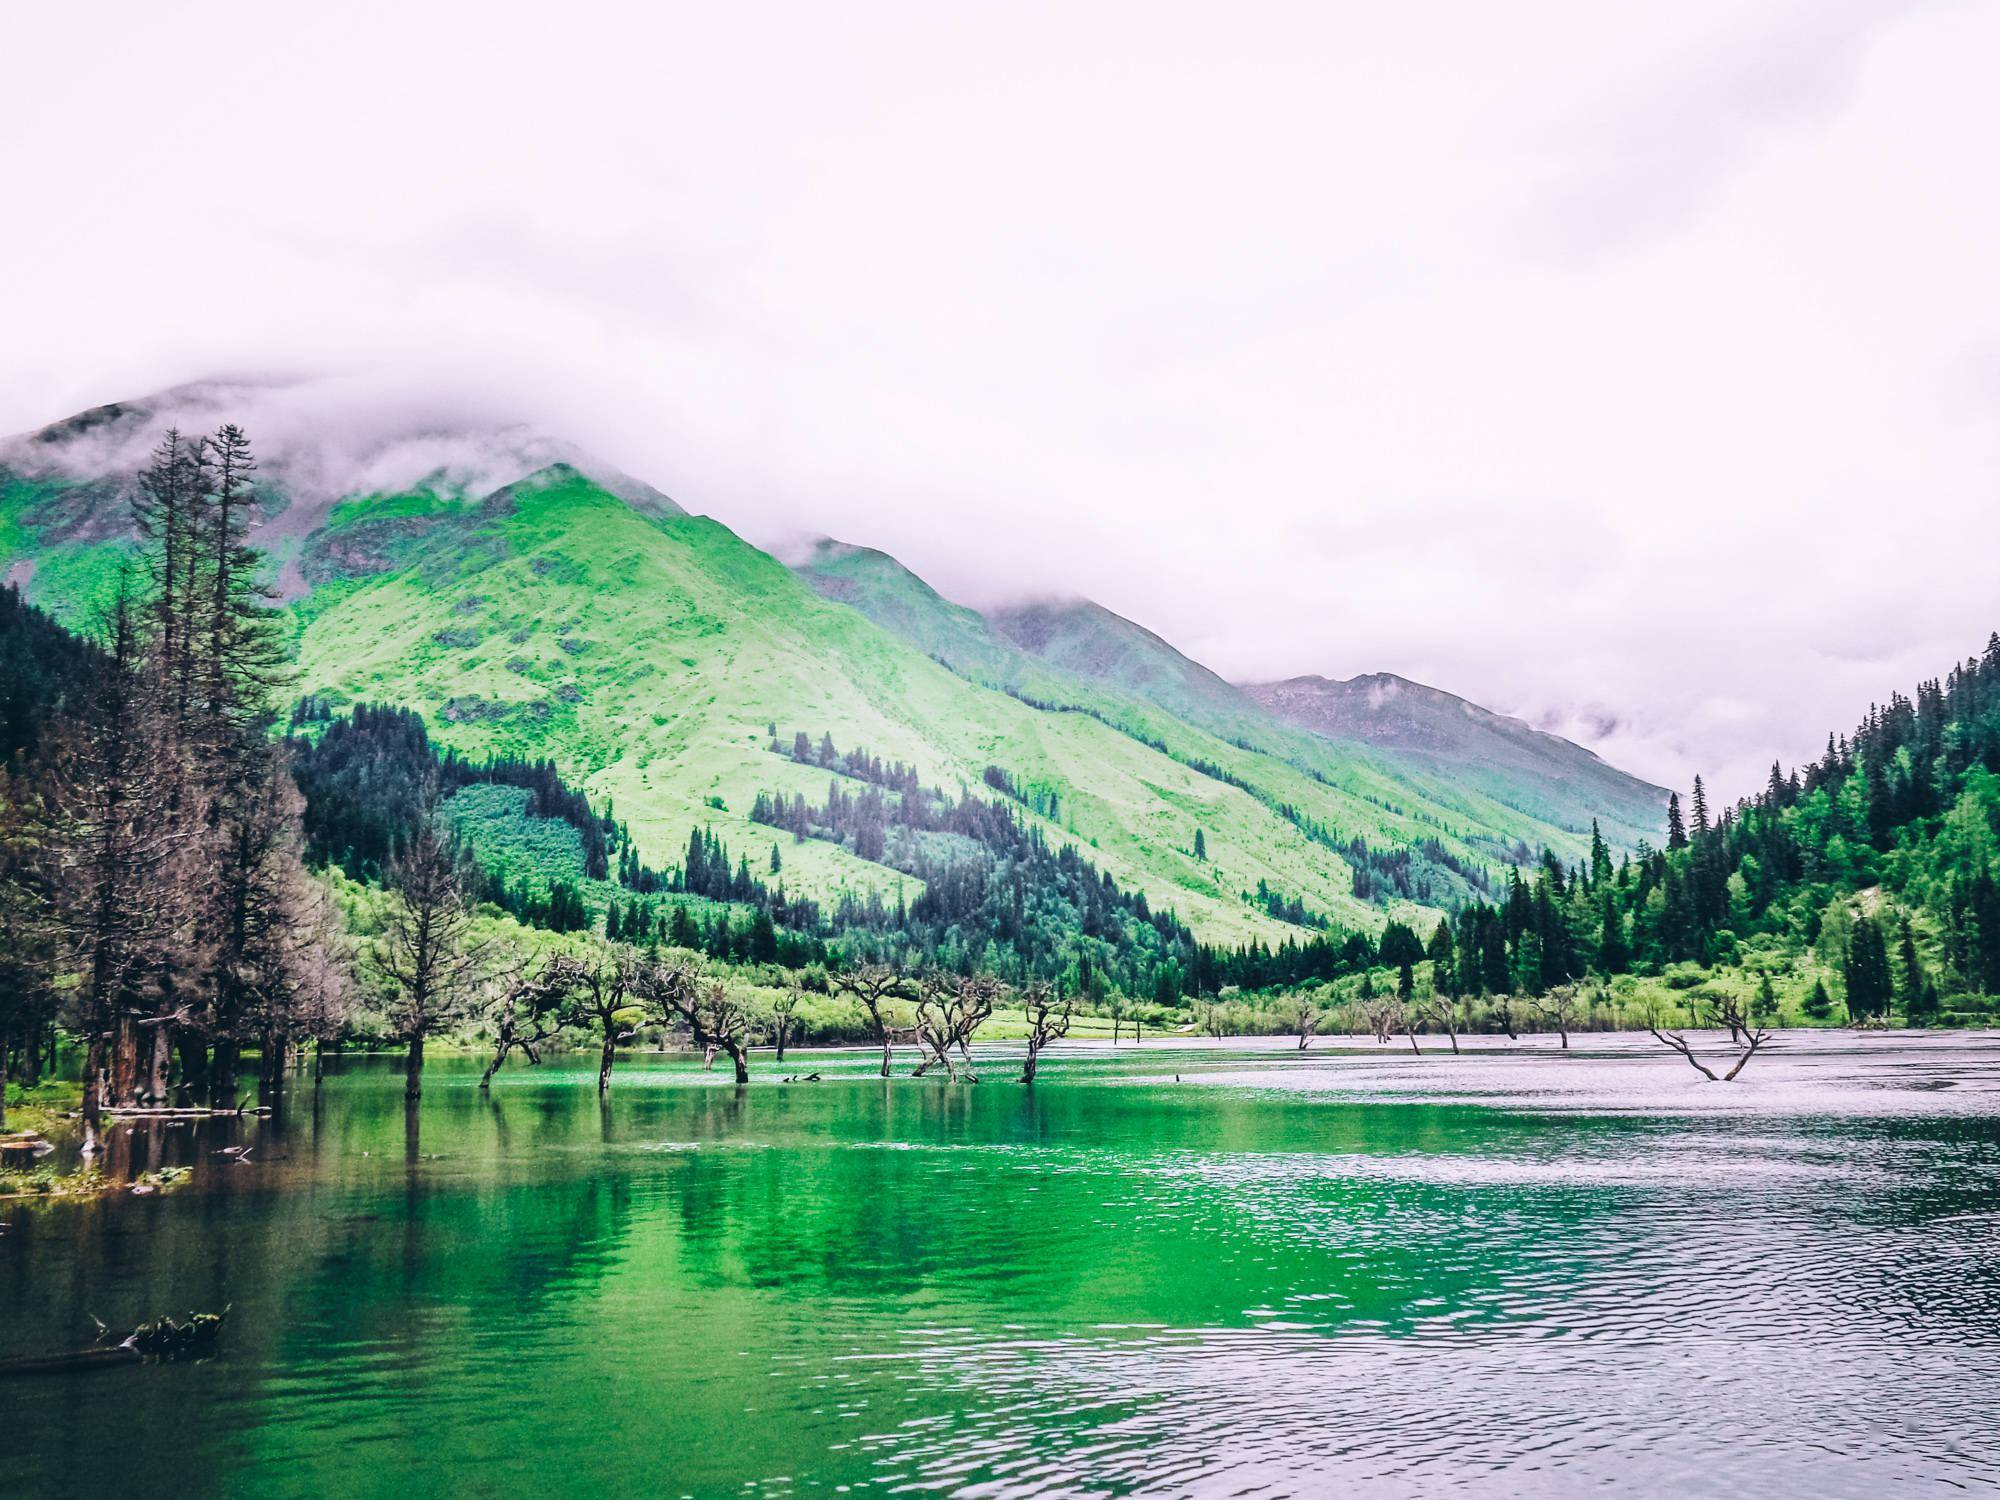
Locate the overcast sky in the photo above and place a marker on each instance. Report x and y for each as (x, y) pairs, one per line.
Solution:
(1633, 368)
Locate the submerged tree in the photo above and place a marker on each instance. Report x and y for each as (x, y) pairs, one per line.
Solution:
(529, 1012)
(875, 986)
(949, 1010)
(1048, 1011)
(1440, 1011)
(784, 1012)
(1747, 1036)
(427, 953)
(1559, 1008)
(1305, 1016)
(677, 994)
(602, 998)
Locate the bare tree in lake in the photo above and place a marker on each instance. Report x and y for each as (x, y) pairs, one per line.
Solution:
(1048, 1012)
(1745, 1035)
(1440, 1011)
(949, 1011)
(784, 1013)
(529, 1011)
(602, 998)
(427, 954)
(1383, 1015)
(1305, 1016)
(875, 986)
(1559, 1007)
(677, 994)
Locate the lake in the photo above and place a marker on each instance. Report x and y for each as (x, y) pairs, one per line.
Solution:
(1176, 1269)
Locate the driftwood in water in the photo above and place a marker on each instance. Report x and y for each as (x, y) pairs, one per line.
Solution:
(157, 1342)
(163, 1113)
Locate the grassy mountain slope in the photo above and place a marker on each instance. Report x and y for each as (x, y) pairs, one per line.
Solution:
(650, 655)
(1506, 758)
(1081, 655)
(583, 616)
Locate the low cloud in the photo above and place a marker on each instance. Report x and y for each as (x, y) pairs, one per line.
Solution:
(1621, 368)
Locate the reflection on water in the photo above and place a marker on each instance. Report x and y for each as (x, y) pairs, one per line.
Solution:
(1514, 1272)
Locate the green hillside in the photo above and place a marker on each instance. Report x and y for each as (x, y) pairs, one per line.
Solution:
(1471, 770)
(1536, 772)
(652, 653)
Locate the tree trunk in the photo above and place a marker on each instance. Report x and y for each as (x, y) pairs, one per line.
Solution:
(194, 1068)
(1565, 1036)
(222, 1073)
(93, 1093)
(887, 1050)
(1028, 1063)
(5, 1043)
(608, 1056)
(413, 1070)
(125, 1063)
(159, 1065)
(1413, 1043)
(736, 1056)
(781, 1041)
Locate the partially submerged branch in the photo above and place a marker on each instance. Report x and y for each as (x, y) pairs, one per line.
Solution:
(1749, 1039)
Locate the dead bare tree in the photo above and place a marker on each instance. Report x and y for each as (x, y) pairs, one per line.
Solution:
(949, 1010)
(1503, 1006)
(875, 986)
(1749, 1038)
(602, 998)
(784, 1011)
(1305, 1015)
(677, 994)
(1049, 1012)
(1384, 1015)
(427, 953)
(529, 1011)
(1559, 1006)
(1440, 1011)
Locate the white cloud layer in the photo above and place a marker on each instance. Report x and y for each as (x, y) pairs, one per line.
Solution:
(1631, 368)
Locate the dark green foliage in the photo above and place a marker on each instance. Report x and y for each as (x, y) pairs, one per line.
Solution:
(1910, 803)
(1866, 971)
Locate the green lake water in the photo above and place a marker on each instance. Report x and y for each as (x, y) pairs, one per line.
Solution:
(1352, 1271)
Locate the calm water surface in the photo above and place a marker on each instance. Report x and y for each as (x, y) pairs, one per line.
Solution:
(1513, 1273)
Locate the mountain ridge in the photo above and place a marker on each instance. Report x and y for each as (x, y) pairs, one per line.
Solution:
(653, 653)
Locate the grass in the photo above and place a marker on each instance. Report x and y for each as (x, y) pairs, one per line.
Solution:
(649, 656)
(42, 1108)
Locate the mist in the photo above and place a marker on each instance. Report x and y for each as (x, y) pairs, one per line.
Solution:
(1633, 370)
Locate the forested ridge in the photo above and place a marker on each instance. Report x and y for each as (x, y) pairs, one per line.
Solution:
(1865, 879)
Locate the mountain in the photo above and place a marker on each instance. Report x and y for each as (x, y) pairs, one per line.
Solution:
(528, 599)
(1078, 652)
(1530, 769)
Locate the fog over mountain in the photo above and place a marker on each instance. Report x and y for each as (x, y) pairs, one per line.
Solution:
(1641, 387)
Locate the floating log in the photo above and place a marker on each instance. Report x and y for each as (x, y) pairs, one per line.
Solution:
(157, 1342)
(136, 1112)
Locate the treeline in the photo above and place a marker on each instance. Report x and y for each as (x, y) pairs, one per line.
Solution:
(367, 777)
(997, 895)
(153, 854)
(370, 779)
(1881, 857)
